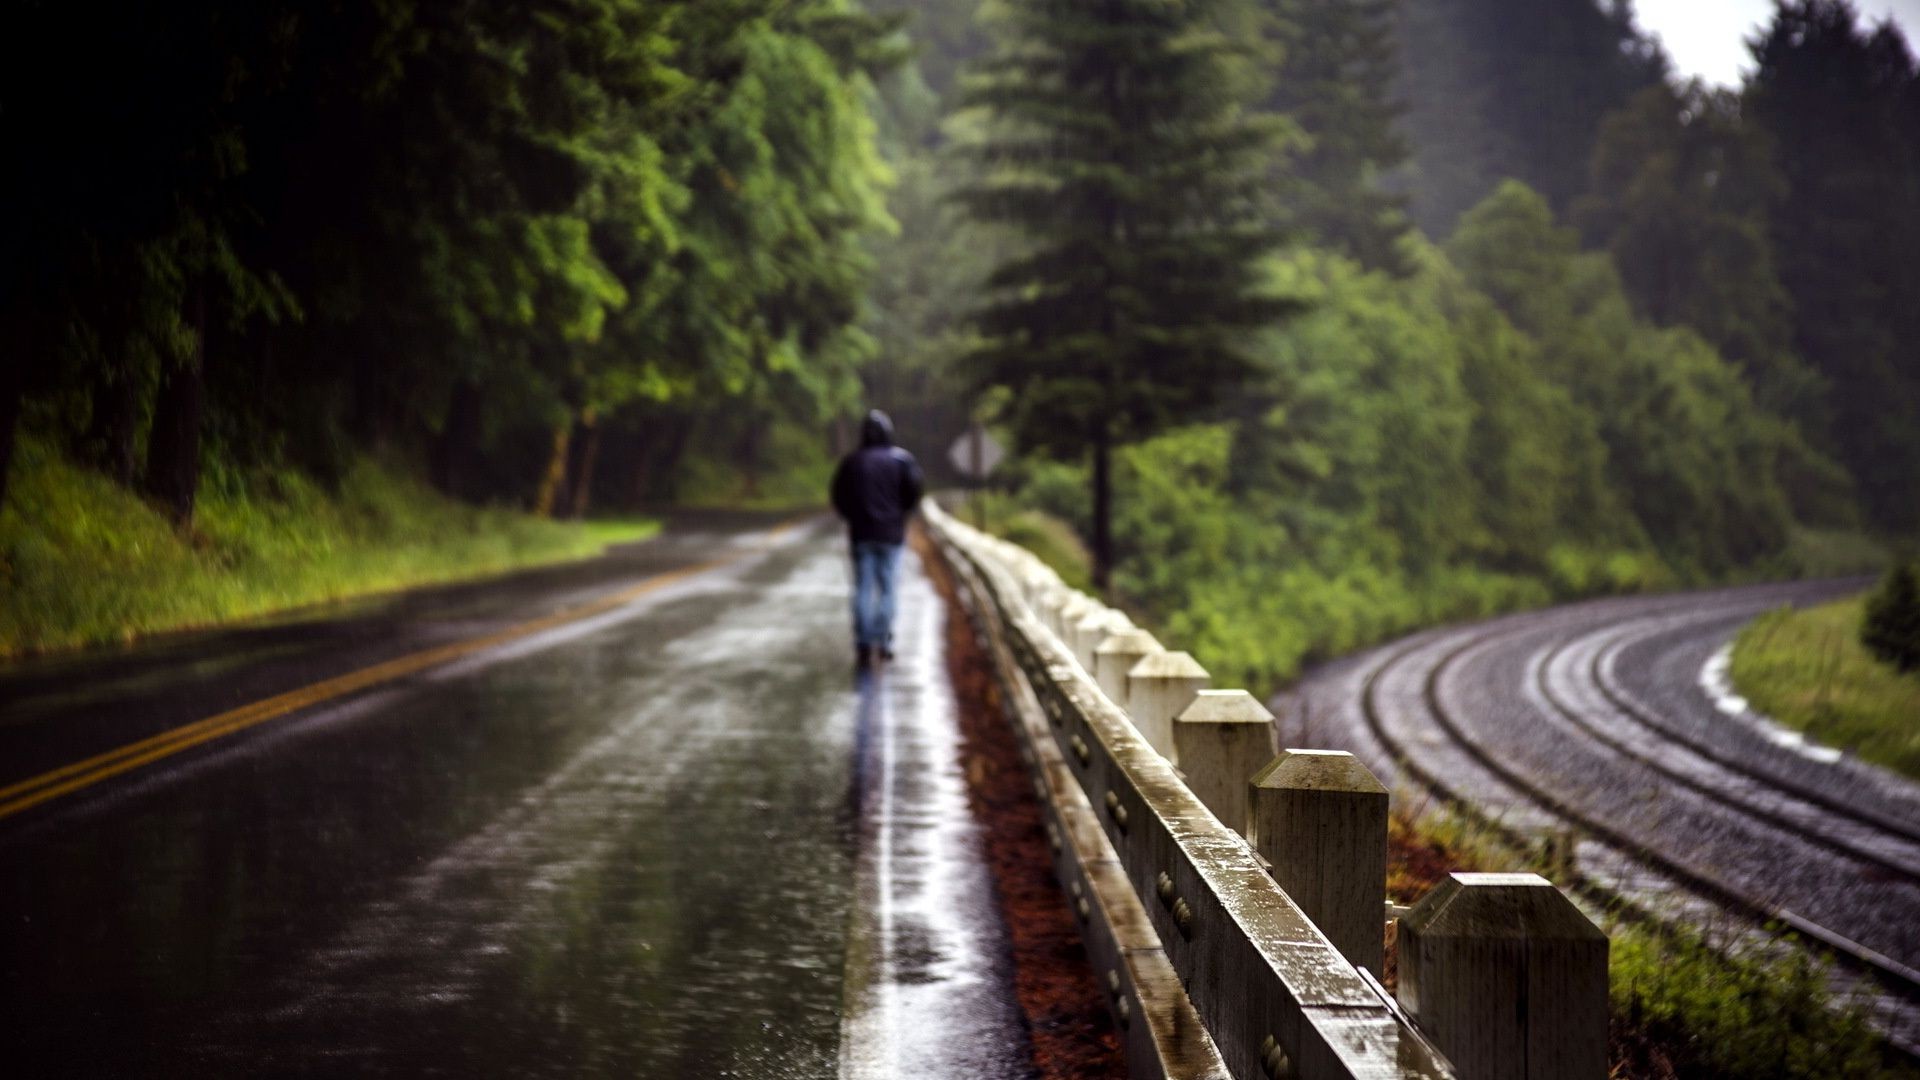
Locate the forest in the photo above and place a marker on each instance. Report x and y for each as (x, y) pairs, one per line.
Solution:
(1330, 319)
(487, 238)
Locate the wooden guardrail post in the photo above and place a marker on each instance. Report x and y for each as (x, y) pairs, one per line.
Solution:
(1098, 623)
(1320, 819)
(1508, 978)
(1252, 981)
(1061, 619)
(1035, 584)
(1116, 656)
(1221, 740)
(1159, 688)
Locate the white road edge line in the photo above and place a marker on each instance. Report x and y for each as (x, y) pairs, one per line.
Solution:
(1716, 680)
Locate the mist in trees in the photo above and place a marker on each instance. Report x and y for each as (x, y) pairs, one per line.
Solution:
(1511, 89)
(1420, 308)
(1592, 374)
(1841, 103)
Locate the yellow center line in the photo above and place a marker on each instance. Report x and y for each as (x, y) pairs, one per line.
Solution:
(66, 779)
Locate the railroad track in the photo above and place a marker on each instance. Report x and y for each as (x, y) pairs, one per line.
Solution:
(1567, 686)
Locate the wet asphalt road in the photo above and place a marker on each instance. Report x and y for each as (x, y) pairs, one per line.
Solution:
(677, 838)
(1596, 715)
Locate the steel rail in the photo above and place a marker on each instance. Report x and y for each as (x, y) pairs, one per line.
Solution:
(1892, 975)
(1904, 870)
(1633, 711)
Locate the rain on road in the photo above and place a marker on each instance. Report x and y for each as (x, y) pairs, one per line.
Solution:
(673, 838)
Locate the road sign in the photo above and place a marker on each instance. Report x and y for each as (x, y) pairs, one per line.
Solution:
(975, 453)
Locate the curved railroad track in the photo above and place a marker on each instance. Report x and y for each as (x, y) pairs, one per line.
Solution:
(1590, 717)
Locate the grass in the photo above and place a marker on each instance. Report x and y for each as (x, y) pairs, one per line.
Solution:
(1046, 536)
(1808, 670)
(1682, 1004)
(622, 529)
(1817, 553)
(83, 561)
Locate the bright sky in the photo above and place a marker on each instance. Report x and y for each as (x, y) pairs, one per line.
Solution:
(1708, 37)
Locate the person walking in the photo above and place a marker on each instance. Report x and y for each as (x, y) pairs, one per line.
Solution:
(875, 490)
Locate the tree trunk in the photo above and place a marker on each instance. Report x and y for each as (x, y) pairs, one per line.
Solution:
(556, 475)
(453, 452)
(173, 446)
(1102, 516)
(749, 451)
(111, 432)
(634, 448)
(12, 389)
(583, 449)
(680, 429)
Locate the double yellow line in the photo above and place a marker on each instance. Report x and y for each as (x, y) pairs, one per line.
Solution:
(67, 779)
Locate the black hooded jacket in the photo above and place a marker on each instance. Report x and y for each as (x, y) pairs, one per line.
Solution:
(877, 486)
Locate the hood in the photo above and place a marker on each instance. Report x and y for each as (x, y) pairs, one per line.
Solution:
(876, 429)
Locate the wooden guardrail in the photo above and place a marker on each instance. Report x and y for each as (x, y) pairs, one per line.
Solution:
(1234, 904)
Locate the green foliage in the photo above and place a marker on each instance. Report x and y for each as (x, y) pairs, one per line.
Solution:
(1114, 144)
(945, 35)
(1891, 628)
(83, 561)
(1682, 1003)
(435, 226)
(1333, 77)
(1713, 1011)
(1495, 431)
(1828, 553)
(1517, 89)
(1683, 190)
(1052, 539)
(764, 464)
(1777, 222)
(1836, 99)
(1689, 452)
(1810, 671)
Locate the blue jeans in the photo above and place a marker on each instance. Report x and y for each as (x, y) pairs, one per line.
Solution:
(876, 566)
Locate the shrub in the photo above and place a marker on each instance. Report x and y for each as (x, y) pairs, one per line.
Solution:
(1891, 629)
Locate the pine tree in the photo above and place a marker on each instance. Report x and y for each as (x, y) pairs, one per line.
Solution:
(1337, 60)
(1115, 146)
(1512, 88)
(1891, 629)
(1683, 190)
(1839, 105)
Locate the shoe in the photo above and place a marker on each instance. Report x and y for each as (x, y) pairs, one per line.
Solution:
(886, 653)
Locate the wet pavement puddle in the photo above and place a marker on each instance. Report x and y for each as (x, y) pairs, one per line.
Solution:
(927, 979)
(684, 843)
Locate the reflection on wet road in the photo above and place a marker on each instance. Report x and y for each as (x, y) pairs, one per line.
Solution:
(674, 839)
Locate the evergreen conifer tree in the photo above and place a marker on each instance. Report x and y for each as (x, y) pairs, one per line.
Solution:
(1115, 146)
(1891, 630)
(1512, 88)
(1837, 101)
(1336, 68)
